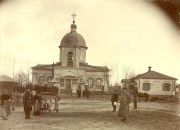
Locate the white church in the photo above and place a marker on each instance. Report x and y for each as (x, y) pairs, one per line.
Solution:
(72, 70)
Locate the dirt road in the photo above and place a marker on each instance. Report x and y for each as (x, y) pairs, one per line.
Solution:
(95, 114)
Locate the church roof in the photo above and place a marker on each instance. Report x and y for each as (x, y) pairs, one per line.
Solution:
(88, 68)
(153, 75)
(42, 67)
(73, 39)
(91, 68)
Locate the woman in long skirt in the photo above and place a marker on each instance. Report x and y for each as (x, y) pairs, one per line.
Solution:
(57, 103)
(5, 103)
(37, 104)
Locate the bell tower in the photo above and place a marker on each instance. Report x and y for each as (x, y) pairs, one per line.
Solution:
(73, 47)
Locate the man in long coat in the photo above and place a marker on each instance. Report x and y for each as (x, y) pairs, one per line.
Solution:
(28, 102)
(125, 99)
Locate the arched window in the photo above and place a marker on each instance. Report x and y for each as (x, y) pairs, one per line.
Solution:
(91, 82)
(99, 83)
(70, 59)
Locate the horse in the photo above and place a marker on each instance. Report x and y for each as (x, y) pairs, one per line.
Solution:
(145, 95)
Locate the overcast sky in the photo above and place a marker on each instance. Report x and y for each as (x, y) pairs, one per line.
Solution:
(122, 33)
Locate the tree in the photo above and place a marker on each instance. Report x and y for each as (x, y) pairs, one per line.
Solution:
(22, 78)
(128, 72)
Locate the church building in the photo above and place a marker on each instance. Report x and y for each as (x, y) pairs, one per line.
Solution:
(72, 70)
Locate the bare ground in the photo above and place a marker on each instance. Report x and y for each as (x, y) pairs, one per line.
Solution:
(95, 114)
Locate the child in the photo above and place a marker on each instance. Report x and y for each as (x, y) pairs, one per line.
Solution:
(49, 102)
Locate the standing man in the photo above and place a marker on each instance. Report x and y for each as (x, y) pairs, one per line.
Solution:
(79, 92)
(125, 99)
(5, 103)
(87, 92)
(114, 100)
(28, 102)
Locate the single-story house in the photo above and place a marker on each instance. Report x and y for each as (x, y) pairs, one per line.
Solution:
(155, 83)
(7, 83)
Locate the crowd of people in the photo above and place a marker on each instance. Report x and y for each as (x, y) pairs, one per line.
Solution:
(39, 105)
(31, 102)
(36, 87)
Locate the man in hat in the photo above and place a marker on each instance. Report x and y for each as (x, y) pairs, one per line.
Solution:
(27, 102)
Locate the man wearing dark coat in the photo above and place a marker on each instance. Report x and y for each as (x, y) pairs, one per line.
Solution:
(27, 102)
(125, 99)
(114, 100)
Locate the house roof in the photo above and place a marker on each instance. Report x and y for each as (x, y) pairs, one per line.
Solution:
(153, 75)
(5, 78)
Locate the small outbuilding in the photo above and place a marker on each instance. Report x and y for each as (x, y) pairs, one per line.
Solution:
(155, 83)
(7, 83)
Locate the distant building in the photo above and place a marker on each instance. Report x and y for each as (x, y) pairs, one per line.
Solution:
(151, 82)
(7, 83)
(72, 71)
(155, 83)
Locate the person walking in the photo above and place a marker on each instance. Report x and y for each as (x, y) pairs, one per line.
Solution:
(114, 100)
(5, 103)
(125, 99)
(28, 102)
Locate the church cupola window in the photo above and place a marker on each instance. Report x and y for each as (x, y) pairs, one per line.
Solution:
(70, 59)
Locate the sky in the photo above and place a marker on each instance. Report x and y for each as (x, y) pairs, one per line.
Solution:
(118, 33)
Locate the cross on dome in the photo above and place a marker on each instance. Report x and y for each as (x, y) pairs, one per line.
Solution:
(73, 15)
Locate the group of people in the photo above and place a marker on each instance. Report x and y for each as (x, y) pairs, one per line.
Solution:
(125, 99)
(85, 92)
(31, 102)
(40, 104)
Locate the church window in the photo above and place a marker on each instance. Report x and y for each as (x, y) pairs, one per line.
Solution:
(70, 59)
(98, 83)
(90, 82)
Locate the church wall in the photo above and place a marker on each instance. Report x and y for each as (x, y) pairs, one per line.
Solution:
(82, 55)
(79, 55)
(63, 55)
(68, 71)
(40, 76)
(95, 76)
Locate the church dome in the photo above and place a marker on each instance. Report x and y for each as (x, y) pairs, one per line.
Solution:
(73, 39)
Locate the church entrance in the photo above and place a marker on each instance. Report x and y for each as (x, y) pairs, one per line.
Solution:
(68, 84)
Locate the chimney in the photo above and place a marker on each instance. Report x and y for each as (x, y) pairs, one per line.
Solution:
(149, 68)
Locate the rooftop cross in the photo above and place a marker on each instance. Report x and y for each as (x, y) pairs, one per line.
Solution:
(73, 15)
